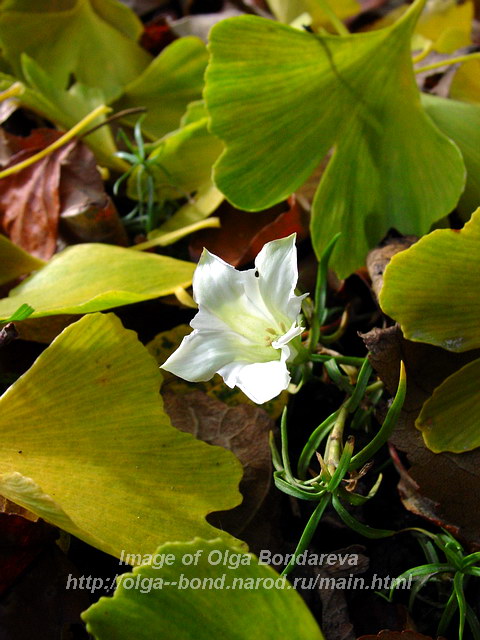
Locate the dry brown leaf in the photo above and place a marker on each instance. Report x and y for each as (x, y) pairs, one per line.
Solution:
(243, 430)
(442, 487)
(64, 182)
(378, 258)
(336, 623)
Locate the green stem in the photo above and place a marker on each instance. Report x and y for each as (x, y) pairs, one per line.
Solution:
(450, 61)
(387, 427)
(333, 449)
(320, 357)
(308, 532)
(320, 311)
(313, 443)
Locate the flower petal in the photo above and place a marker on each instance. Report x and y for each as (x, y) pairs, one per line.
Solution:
(260, 381)
(200, 355)
(220, 289)
(276, 265)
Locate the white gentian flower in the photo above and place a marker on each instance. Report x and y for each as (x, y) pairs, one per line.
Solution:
(246, 326)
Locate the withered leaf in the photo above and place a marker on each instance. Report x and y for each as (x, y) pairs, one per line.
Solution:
(243, 233)
(335, 617)
(65, 182)
(243, 430)
(435, 477)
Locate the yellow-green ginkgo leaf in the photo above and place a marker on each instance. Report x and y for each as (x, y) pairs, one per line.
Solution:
(460, 122)
(86, 445)
(167, 85)
(287, 10)
(223, 593)
(15, 262)
(93, 277)
(432, 288)
(280, 99)
(450, 418)
(92, 40)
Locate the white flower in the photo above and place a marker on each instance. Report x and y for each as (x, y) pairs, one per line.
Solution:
(245, 324)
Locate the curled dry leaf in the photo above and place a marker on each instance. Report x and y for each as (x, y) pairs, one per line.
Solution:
(65, 182)
(243, 430)
(378, 258)
(243, 233)
(432, 488)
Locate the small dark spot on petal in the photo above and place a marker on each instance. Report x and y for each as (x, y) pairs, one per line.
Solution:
(257, 275)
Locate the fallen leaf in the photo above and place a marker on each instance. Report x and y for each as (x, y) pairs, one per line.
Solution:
(242, 234)
(436, 477)
(64, 183)
(378, 258)
(92, 277)
(244, 430)
(87, 213)
(86, 445)
(279, 126)
(335, 618)
(202, 614)
(29, 199)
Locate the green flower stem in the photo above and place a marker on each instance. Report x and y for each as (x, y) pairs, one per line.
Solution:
(333, 449)
(320, 310)
(353, 523)
(353, 361)
(375, 386)
(342, 467)
(360, 387)
(387, 427)
(314, 442)
(445, 63)
(308, 532)
(447, 615)
(285, 456)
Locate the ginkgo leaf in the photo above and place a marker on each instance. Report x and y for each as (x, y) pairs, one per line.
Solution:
(177, 607)
(66, 107)
(167, 85)
(432, 288)
(280, 98)
(287, 10)
(93, 277)
(450, 418)
(460, 122)
(15, 262)
(181, 162)
(86, 445)
(91, 40)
